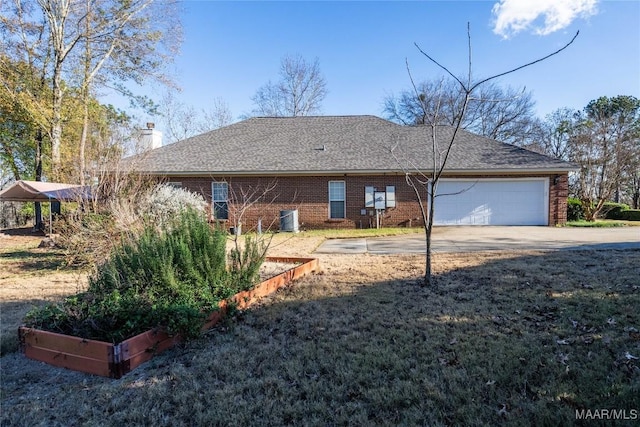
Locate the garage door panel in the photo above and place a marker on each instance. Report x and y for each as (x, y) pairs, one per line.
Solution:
(491, 202)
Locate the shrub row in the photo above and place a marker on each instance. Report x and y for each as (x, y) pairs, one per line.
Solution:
(610, 210)
(630, 215)
(167, 278)
(619, 211)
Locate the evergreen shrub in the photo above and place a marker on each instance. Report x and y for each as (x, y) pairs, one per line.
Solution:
(630, 215)
(574, 209)
(612, 210)
(169, 278)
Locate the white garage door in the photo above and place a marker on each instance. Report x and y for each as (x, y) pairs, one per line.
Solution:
(492, 202)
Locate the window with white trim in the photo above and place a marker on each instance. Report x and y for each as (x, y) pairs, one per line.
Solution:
(219, 200)
(337, 196)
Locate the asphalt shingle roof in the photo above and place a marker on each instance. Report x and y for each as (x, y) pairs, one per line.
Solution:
(334, 144)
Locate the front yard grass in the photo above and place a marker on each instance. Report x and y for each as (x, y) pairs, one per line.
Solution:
(503, 339)
(355, 233)
(31, 277)
(603, 223)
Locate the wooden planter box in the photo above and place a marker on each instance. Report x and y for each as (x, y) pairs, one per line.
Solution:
(115, 360)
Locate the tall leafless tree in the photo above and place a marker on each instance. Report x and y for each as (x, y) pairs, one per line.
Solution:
(504, 114)
(182, 121)
(63, 37)
(557, 132)
(432, 111)
(299, 92)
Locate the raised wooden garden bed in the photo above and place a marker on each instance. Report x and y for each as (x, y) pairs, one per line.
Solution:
(115, 360)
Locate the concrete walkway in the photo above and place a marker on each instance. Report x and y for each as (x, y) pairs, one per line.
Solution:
(471, 239)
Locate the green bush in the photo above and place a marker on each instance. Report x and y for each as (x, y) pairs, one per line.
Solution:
(630, 215)
(246, 262)
(574, 209)
(612, 210)
(169, 279)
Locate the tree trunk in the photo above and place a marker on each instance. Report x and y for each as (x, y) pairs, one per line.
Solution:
(83, 141)
(38, 225)
(427, 230)
(428, 280)
(85, 94)
(635, 197)
(56, 122)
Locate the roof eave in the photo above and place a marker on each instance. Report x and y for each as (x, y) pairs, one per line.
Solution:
(519, 172)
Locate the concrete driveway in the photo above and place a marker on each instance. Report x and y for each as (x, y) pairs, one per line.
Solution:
(470, 239)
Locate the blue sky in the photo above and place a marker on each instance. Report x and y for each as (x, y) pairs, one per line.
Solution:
(232, 48)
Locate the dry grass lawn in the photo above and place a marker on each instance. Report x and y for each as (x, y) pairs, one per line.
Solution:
(30, 277)
(521, 338)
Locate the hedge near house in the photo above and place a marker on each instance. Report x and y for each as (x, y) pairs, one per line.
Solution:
(612, 210)
(620, 211)
(168, 278)
(574, 209)
(630, 215)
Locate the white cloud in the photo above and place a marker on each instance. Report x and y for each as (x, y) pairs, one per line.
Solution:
(513, 16)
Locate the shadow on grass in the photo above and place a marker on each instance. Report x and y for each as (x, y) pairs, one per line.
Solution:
(35, 260)
(12, 313)
(513, 340)
(23, 231)
(631, 245)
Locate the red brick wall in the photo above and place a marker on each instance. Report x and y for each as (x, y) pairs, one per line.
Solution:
(558, 193)
(254, 198)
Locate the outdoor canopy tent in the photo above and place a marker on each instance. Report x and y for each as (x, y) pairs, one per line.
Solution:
(37, 191)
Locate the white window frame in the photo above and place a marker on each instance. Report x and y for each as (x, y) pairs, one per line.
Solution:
(334, 199)
(391, 196)
(368, 196)
(219, 201)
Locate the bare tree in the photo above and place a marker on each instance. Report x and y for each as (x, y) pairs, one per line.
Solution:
(182, 121)
(122, 42)
(62, 39)
(432, 109)
(558, 128)
(179, 120)
(504, 114)
(216, 116)
(299, 92)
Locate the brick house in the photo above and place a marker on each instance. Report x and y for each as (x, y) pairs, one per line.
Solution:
(350, 172)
